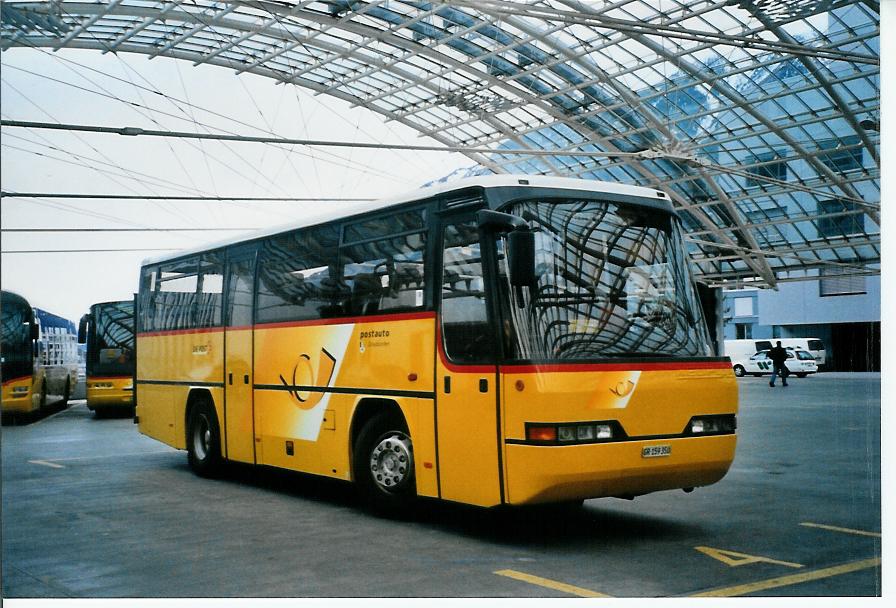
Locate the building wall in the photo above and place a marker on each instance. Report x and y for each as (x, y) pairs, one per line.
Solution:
(801, 304)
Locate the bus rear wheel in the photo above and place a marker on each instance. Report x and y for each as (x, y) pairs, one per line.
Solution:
(384, 465)
(203, 439)
(67, 394)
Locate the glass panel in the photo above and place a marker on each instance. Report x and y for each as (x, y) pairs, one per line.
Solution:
(385, 275)
(297, 279)
(240, 293)
(16, 349)
(611, 281)
(175, 300)
(112, 351)
(146, 297)
(406, 221)
(211, 286)
(466, 333)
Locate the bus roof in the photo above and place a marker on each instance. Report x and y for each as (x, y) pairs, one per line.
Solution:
(483, 181)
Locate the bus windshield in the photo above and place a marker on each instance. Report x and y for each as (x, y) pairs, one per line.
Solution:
(611, 281)
(113, 350)
(16, 351)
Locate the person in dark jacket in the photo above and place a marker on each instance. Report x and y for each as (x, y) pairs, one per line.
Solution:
(778, 355)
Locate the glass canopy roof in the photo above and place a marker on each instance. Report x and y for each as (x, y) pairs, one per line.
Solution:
(758, 117)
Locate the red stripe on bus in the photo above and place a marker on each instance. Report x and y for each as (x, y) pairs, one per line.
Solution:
(614, 367)
(19, 379)
(399, 316)
(173, 332)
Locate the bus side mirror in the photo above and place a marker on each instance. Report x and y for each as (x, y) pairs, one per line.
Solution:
(82, 329)
(521, 257)
(35, 330)
(520, 244)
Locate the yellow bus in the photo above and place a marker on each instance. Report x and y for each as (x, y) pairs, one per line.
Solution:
(39, 357)
(498, 340)
(108, 331)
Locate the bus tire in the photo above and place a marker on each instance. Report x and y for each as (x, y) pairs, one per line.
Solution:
(739, 371)
(383, 465)
(43, 394)
(203, 439)
(66, 394)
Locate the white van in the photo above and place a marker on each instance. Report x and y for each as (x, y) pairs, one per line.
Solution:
(744, 349)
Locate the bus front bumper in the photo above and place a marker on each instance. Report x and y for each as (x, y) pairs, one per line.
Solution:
(18, 397)
(540, 474)
(113, 392)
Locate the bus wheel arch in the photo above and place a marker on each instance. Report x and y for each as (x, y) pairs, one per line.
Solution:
(383, 457)
(202, 433)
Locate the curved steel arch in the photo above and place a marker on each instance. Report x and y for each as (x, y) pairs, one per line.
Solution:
(749, 116)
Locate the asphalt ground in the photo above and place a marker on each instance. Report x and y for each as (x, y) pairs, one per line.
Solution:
(91, 508)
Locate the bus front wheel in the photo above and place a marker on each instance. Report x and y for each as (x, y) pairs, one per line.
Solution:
(203, 439)
(384, 465)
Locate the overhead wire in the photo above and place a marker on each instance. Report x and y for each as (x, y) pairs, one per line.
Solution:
(338, 162)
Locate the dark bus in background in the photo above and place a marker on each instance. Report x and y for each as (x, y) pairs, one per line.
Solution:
(39, 356)
(108, 331)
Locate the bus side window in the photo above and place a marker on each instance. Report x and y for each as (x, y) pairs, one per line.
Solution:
(296, 278)
(382, 261)
(176, 300)
(146, 298)
(466, 333)
(211, 288)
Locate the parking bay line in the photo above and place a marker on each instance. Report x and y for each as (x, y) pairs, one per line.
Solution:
(792, 579)
(548, 583)
(52, 462)
(839, 529)
(47, 463)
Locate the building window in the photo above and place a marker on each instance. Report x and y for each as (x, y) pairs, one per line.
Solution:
(767, 166)
(743, 307)
(839, 218)
(841, 155)
(837, 282)
(744, 331)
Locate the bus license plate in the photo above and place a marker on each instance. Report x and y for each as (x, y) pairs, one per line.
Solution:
(656, 451)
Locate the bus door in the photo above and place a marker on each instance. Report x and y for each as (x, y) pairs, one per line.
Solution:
(239, 420)
(467, 418)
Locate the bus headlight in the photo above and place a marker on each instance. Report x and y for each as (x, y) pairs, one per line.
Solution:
(708, 425)
(572, 433)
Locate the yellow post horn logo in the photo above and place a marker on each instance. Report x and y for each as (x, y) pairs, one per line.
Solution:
(304, 393)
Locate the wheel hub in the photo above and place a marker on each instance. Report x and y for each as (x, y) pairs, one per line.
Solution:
(392, 461)
(202, 437)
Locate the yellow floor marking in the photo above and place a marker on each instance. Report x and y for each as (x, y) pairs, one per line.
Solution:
(792, 579)
(838, 529)
(546, 582)
(47, 463)
(734, 559)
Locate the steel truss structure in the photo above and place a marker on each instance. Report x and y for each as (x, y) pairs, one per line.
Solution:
(758, 117)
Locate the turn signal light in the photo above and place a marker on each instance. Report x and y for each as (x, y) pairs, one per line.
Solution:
(541, 433)
(572, 433)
